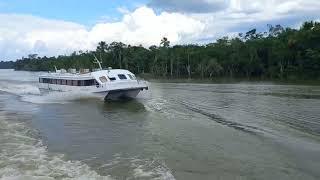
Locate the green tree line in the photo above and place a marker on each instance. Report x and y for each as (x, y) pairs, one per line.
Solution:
(279, 53)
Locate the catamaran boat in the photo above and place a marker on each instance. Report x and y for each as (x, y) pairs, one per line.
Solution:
(110, 84)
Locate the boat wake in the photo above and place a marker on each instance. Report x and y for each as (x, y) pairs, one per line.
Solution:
(139, 168)
(19, 88)
(29, 92)
(235, 125)
(157, 105)
(23, 156)
(57, 97)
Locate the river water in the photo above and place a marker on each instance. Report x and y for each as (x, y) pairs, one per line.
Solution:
(172, 131)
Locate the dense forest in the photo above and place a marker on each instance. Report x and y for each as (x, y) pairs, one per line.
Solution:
(279, 53)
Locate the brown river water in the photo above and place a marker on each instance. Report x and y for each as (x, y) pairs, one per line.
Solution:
(173, 131)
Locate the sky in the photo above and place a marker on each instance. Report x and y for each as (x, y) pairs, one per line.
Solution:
(51, 28)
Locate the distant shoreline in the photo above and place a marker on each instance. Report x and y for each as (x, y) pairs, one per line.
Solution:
(237, 81)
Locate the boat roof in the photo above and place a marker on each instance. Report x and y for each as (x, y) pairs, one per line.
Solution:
(85, 76)
(111, 72)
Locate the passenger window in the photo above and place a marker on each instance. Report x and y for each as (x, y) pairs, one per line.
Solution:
(82, 83)
(103, 79)
(122, 76)
(89, 82)
(112, 78)
(74, 83)
(45, 80)
(69, 82)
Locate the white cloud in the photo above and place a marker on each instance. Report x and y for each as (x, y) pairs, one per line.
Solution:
(24, 34)
(245, 14)
(21, 35)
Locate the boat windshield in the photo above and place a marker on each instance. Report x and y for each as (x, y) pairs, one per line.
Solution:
(122, 76)
(103, 79)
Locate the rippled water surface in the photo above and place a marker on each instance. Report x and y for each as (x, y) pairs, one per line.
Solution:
(172, 131)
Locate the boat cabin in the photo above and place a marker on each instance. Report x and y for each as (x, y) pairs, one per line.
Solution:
(96, 78)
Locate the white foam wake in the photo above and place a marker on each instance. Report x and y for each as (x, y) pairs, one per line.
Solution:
(154, 169)
(23, 156)
(58, 97)
(143, 169)
(31, 93)
(19, 88)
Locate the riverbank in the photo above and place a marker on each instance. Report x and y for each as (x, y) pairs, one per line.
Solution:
(225, 80)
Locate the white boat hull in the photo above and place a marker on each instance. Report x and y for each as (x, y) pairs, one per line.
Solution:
(121, 94)
(106, 93)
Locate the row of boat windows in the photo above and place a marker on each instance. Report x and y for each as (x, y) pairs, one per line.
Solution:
(91, 82)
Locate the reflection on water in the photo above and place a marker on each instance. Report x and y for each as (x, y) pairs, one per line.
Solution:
(173, 131)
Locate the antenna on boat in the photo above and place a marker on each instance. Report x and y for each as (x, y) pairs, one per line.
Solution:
(97, 61)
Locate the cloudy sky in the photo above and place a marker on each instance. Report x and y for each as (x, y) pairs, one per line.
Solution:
(51, 28)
